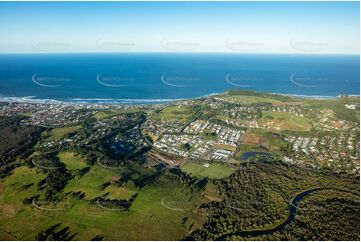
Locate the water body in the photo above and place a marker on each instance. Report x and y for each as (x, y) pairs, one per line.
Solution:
(254, 154)
(143, 78)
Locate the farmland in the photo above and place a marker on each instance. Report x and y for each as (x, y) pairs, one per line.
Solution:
(215, 170)
(285, 121)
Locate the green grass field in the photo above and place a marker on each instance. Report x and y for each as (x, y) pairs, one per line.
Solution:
(249, 99)
(91, 182)
(174, 113)
(58, 133)
(4, 236)
(112, 112)
(163, 210)
(272, 141)
(215, 170)
(284, 121)
(338, 107)
(124, 192)
(15, 217)
(225, 147)
(72, 160)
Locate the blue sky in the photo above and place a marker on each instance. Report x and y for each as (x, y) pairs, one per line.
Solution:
(232, 27)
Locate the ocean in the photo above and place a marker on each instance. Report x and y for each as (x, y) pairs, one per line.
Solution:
(158, 77)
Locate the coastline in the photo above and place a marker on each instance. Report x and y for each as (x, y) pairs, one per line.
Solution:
(121, 101)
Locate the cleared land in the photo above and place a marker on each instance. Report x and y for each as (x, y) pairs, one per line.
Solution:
(72, 160)
(112, 112)
(90, 183)
(86, 220)
(250, 99)
(58, 133)
(252, 138)
(174, 113)
(262, 137)
(215, 170)
(14, 215)
(284, 121)
(225, 147)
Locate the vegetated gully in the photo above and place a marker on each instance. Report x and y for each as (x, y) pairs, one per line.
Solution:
(291, 216)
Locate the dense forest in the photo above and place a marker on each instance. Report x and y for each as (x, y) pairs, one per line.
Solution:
(16, 141)
(257, 199)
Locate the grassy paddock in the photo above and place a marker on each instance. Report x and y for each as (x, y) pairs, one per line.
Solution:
(225, 147)
(72, 160)
(58, 133)
(285, 121)
(174, 113)
(215, 170)
(14, 215)
(112, 112)
(250, 99)
(91, 182)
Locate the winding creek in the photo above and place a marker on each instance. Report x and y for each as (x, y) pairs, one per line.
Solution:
(291, 216)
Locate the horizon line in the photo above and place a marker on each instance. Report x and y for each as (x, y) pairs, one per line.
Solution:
(176, 52)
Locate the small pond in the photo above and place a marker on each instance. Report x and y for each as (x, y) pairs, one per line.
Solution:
(254, 154)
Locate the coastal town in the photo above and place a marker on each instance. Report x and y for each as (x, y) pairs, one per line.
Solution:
(187, 156)
(224, 130)
(202, 140)
(180, 120)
